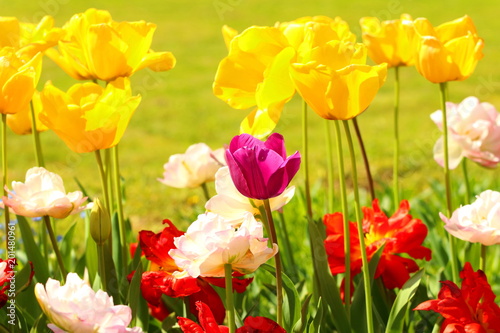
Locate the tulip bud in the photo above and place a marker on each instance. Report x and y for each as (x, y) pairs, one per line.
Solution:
(100, 223)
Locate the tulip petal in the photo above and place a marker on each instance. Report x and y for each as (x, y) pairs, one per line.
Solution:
(260, 123)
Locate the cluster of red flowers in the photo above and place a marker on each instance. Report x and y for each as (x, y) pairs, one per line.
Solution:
(471, 308)
(401, 234)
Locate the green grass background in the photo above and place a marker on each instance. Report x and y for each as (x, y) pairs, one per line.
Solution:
(179, 109)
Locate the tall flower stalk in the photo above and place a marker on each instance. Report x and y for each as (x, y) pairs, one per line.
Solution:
(55, 247)
(4, 174)
(357, 207)
(329, 164)
(36, 138)
(305, 154)
(345, 220)
(395, 172)
(119, 207)
(447, 183)
(228, 271)
(369, 177)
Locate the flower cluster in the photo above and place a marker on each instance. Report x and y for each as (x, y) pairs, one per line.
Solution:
(399, 234)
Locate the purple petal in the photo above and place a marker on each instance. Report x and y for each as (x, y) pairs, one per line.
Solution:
(244, 140)
(282, 177)
(236, 174)
(276, 142)
(251, 170)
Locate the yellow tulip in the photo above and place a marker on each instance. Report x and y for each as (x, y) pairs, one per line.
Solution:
(449, 52)
(20, 123)
(256, 71)
(96, 47)
(18, 78)
(228, 34)
(342, 88)
(393, 41)
(27, 38)
(89, 117)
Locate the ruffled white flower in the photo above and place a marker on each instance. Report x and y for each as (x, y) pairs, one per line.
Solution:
(76, 308)
(233, 205)
(43, 193)
(210, 242)
(478, 222)
(474, 133)
(193, 168)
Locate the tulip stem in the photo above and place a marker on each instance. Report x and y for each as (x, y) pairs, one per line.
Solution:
(277, 258)
(53, 240)
(204, 187)
(4, 175)
(482, 259)
(364, 257)
(466, 181)
(36, 138)
(395, 170)
(365, 158)
(329, 164)
(104, 182)
(449, 208)
(347, 235)
(305, 158)
(228, 273)
(119, 208)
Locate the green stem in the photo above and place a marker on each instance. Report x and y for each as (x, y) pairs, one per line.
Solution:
(109, 178)
(102, 266)
(364, 257)
(228, 271)
(205, 191)
(104, 182)
(449, 207)
(277, 258)
(4, 175)
(395, 171)
(36, 138)
(53, 240)
(119, 208)
(365, 158)
(482, 259)
(305, 162)
(288, 245)
(329, 164)
(345, 220)
(466, 180)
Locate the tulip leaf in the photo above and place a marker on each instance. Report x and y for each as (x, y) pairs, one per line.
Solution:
(134, 290)
(23, 278)
(327, 286)
(402, 302)
(291, 299)
(33, 251)
(301, 325)
(40, 325)
(67, 249)
(358, 307)
(316, 323)
(91, 258)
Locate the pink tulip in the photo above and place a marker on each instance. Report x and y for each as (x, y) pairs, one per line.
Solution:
(233, 206)
(75, 307)
(211, 242)
(193, 168)
(43, 194)
(478, 222)
(261, 170)
(474, 133)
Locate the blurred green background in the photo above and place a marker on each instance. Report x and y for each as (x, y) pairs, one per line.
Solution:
(179, 109)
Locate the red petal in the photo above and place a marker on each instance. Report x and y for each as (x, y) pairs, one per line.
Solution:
(156, 246)
(159, 311)
(260, 325)
(206, 318)
(239, 285)
(156, 283)
(189, 326)
(209, 296)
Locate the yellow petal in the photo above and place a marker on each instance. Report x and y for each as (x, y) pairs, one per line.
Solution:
(277, 86)
(456, 28)
(261, 123)
(158, 61)
(105, 53)
(9, 32)
(20, 123)
(228, 34)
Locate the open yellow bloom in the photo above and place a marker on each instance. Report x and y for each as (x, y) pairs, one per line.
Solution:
(20, 123)
(336, 83)
(89, 117)
(96, 47)
(18, 78)
(449, 52)
(27, 38)
(256, 71)
(391, 41)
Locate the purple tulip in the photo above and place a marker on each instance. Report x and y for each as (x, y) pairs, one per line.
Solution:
(261, 170)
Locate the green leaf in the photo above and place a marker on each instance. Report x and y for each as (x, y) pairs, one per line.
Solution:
(327, 286)
(291, 299)
(40, 325)
(23, 278)
(402, 302)
(318, 318)
(67, 248)
(33, 251)
(301, 325)
(134, 291)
